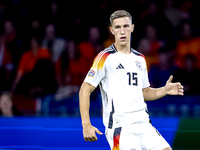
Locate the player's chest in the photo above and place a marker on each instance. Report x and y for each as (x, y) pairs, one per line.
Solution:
(125, 64)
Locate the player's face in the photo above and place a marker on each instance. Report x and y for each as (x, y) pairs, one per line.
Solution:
(122, 29)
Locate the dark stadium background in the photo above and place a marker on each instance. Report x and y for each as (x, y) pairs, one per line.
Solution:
(58, 127)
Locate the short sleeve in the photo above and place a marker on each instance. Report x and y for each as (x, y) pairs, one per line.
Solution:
(98, 70)
(145, 77)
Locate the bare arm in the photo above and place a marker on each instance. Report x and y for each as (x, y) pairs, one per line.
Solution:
(84, 104)
(169, 89)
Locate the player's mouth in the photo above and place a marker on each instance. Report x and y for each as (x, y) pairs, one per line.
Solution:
(123, 38)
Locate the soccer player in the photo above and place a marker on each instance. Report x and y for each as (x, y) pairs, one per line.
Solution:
(121, 74)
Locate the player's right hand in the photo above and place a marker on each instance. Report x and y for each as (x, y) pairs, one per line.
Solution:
(89, 133)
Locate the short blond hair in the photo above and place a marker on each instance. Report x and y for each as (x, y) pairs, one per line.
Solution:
(120, 14)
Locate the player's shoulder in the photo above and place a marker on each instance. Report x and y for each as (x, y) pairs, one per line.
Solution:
(107, 51)
(102, 56)
(110, 50)
(137, 53)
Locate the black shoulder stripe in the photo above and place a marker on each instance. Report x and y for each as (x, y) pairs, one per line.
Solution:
(137, 53)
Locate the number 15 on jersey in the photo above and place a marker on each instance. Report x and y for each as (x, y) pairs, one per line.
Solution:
(132, 78)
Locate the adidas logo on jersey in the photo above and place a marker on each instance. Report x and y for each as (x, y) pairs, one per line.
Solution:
(120, 66)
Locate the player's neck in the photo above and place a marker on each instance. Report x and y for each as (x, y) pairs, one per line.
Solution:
(125, 49)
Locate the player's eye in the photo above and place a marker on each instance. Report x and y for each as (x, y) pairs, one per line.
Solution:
(117, 27)
(126, 26)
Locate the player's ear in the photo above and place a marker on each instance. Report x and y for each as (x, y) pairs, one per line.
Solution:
(132, 26)
(111, 30)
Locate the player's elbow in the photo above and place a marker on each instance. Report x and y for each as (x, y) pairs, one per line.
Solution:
(86, 89)
(81, 92)
(148, 94)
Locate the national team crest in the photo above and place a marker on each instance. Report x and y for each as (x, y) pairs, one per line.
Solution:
(139, 65)
(91, 73)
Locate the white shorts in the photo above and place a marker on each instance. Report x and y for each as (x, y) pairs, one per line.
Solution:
(137, 136)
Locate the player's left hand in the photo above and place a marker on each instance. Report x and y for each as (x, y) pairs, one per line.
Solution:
(174, 88)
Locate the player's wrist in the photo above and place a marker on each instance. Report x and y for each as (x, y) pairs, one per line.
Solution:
(86, 124)
(165, 90)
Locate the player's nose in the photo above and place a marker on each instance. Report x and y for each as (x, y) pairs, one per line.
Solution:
(122, 30)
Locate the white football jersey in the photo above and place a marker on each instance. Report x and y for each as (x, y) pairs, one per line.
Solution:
(121, 78)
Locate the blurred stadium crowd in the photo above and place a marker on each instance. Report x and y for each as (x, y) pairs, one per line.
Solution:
(47, 47)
